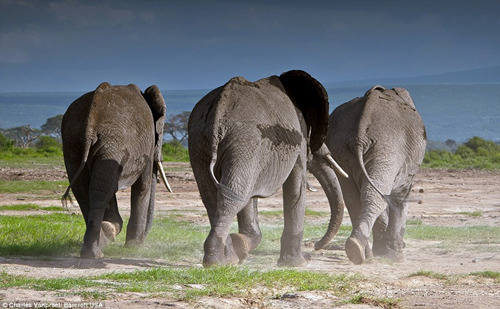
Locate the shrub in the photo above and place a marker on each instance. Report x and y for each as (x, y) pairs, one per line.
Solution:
(6, 143)
(475, 153)
(48, 145)
(173, 151)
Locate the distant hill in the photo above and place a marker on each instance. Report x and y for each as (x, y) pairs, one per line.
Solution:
(478, 76)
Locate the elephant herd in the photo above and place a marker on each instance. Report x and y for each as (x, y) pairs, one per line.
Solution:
(246, 141)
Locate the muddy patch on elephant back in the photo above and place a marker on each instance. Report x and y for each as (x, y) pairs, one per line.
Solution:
(433, 275)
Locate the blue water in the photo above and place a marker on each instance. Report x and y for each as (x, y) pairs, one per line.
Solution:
(456, 112)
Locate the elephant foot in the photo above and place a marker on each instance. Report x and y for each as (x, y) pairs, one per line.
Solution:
(355, 250)
(133, 243)
(390, 249)
(210, 261)
(110, 230)
(221, 256)
(86, 253)
(292, 261)
(241, 245)
(391, 254)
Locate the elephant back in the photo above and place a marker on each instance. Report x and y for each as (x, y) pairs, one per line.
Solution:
(311, 98)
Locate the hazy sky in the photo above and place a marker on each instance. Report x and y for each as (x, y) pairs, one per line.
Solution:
(73, 45)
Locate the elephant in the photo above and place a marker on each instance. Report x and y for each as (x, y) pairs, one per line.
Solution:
(379, 140)
(248, 139)
(112, 139)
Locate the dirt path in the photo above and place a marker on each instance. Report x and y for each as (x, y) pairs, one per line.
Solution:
(439, 197)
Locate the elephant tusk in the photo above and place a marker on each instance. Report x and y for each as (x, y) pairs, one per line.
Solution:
(336, 166)
(311, 188)
(163, 176)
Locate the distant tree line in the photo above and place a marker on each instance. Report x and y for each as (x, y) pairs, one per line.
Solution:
(475, 153)
(175, 129)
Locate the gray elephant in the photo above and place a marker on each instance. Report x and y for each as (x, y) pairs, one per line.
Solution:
(380, 141)
(112, 139)
(248, 139)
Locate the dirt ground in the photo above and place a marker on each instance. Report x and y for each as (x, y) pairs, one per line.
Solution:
(439, 197)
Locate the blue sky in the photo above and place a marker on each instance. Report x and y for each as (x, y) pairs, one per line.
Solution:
(73, 45)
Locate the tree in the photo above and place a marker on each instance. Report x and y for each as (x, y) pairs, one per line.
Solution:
(52, 127)
(177, 126)
(23, 135)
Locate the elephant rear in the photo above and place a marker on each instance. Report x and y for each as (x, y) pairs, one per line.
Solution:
(380, 140)
(111, 140)
(247, 140)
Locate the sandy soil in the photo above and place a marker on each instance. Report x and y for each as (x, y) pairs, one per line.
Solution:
(439, 197)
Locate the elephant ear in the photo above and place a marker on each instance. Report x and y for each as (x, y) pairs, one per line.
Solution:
(156, 103)
(310, 97)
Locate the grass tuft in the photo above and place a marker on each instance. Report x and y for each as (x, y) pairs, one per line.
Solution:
(429, 274)
(24, 207)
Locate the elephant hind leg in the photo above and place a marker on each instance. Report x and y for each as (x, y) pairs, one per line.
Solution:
(218, 247)
(137, 227)
(112, 222)
(103, 185)
(249, 235)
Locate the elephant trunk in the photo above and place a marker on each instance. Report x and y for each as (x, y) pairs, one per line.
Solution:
(320, 167)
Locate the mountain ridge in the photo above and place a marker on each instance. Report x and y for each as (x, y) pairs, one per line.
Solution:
(487, 75)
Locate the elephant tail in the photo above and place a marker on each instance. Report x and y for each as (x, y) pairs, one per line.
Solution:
(66, 196)
(388, 198)
(225, 190)
(212, 167)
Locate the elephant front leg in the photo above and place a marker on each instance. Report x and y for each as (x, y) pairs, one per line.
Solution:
(294, 199)
(249, 235)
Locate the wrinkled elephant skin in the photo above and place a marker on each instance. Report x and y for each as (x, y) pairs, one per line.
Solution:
(111, 139)
(380, 140)
(248, 139)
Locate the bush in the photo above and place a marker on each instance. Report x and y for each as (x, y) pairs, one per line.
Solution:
(6, 143)
(475, 153)
(173, 151)
(48, 145)
(45, 146)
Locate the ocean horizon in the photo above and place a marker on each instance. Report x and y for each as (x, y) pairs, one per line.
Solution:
(449, 111)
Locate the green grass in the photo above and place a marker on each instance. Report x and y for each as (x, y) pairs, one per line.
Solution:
(175, 240)
(24, 207)
(61, 234)
(386, 303)
(193, 282)
(55, 234)
(168, 239)
(429, 274)
(181, 242)
(471, 214)
(495, 275)
(34, 186)
(453, 237)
